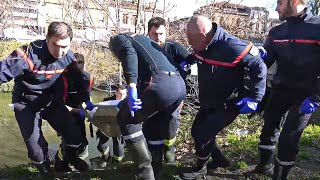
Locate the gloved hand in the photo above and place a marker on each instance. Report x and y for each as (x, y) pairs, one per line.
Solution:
(89, 105)
(133, 101)
(263, 52)
(247, 105)
(183, 65)
(308, 106)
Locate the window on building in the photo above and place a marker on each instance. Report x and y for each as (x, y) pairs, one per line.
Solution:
(125, 18)
(133, 20)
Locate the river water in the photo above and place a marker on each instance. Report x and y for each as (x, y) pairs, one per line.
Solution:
(12, 148)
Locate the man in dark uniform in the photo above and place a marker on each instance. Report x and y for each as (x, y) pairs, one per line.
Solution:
(38, 94)
(152, 130)
(294, 46)
(222, 59)
(112, 146)
(151, 77)
(77, 87)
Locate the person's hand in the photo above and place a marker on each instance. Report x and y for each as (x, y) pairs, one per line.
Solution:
(263, 52)
(133, 101)
(89, 105)
(183, 65)
(247, 105)
(308, 106)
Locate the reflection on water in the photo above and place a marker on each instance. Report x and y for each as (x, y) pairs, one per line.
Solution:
(13, 150)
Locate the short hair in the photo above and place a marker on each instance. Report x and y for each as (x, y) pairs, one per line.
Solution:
(156, 22)
(59, 29)
(120, 87)
(79, 57)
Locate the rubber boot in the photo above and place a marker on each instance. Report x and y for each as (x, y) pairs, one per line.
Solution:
(142, 160)
(157, 162)
(73, 158)
(281, 172)
(197, 172)
(265, 166)
(218, 160)
(60, 165)
(45, 170)
(169, 154)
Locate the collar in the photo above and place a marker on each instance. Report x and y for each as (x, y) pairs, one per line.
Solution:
(305, 16)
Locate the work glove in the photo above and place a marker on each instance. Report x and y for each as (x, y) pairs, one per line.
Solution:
(263, 52)
(133, 101)
(183, 65)
(89, 105)
(308, 106)
(247, 105)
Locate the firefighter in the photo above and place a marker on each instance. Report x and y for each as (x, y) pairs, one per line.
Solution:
(77, 87)
(163, 146)
(294, 46)
(222, 59)
(38, 93)
(112, 147)
(150, 76)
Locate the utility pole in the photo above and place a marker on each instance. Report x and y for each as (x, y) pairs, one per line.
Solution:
(164, 7)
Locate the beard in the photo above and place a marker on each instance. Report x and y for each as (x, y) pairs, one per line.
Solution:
(287, 12)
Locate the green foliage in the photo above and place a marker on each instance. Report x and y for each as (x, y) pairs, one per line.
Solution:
(311, 136)
(241, 165)
(247, 143)
(6, 48)
(304, 155)
(184, 133)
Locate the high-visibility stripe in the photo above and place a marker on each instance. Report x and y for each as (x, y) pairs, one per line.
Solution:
(203, 158)
(227, 64)
(60, 155)
(90, 83)
(170, 142)
(134, 135)
(31, 65)
(267, 147)
(159, 142)
(35, 162)
(285, 163)
(26, 58)
(118, 158)
(73, 145)
(302, 41)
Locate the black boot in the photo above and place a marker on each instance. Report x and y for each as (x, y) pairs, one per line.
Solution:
(156, 162)
(142, 160)
(169, 154)
(218, 160)
(281, 172)
(44, 169)
(60, 165)
(265, 166)
(73, 158)
(197, 172)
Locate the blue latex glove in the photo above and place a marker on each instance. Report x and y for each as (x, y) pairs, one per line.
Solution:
(183, 65)
(89, 105)
(247, 105)
(133, 101)
(263, 52)
(82, 113)
(308, 106)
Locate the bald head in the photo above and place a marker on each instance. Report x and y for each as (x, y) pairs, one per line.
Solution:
(198, 32)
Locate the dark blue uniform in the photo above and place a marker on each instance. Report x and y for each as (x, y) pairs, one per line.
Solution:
(77, 87)
(160, 87)
(38, 94)
(294, 46)
(221, 84)
(155, 131)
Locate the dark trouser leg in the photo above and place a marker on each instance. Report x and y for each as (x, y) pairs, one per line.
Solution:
(288, 146)
(104, 145)
(30, 127)
(207, 125)
(118, 148)
(65, 124)
(174, 123)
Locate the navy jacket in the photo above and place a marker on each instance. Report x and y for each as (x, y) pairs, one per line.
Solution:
(221, 70)
(35, 72)
(140, 56)
(295, 47)
(77, 86)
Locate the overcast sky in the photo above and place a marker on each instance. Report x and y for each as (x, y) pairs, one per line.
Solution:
(185, 8)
